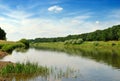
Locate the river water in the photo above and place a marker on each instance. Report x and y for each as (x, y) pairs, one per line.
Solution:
(82, 66)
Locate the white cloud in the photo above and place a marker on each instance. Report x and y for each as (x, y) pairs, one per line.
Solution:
(97, 22)
(40, 27)
(18, 25)
(18, 14)
(55, 9)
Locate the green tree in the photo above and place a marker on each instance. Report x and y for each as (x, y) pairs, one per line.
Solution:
(25, 42)
(2, 34)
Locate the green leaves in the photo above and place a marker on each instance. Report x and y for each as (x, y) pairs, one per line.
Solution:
(2, 34)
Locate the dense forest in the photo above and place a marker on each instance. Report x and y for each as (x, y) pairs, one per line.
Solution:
(112, 33)
(2, 34)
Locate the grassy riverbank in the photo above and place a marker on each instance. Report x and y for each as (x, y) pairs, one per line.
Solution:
(105, 52)
(9, 46)
(108, 47)
(9, 69)
(24, 68)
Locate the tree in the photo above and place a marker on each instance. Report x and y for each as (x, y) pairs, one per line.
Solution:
(25, 42)
(2, 34)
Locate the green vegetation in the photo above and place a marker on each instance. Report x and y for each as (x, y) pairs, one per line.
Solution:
(25, 69)
(74, 41)
(108, 47)
(2, 34)
(25, 42)
(109, 34)
(8, 46)
(100, 51)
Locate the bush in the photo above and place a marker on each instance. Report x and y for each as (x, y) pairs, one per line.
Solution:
(74, 41)
(113, 44)
(96, 43)
(25, 42)
(79, 41)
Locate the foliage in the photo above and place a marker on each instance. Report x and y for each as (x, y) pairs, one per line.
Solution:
(74, 41)
(24, 41)
(2, 34)
(96, 43)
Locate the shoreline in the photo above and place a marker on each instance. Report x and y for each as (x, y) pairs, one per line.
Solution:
(3, 54)
(3, 64)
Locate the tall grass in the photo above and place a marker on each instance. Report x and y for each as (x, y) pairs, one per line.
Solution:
(23, 68)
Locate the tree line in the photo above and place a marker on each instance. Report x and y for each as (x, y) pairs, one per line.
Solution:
(111, 33)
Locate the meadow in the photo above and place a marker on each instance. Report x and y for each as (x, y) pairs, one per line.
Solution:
(9, 46)
(89, 46)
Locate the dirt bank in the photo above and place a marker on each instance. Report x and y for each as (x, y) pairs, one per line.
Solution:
(2, 54)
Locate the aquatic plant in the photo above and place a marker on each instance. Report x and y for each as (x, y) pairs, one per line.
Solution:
(24, 68)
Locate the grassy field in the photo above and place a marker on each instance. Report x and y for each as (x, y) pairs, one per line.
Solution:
(9, 46)
(109, 47)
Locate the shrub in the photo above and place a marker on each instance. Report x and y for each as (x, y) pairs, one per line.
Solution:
(96, 43)
(25, 42)
(113, 44)
(79, 41)
(74, 41)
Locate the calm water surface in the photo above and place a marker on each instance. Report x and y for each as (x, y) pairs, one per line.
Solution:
(74, 67)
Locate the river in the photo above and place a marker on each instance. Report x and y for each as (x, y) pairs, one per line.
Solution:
(82, 67)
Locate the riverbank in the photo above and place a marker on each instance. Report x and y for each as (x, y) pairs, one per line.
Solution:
(8, 70)
(9, 46)
(2, 65)
(110, 47)
(2, 54)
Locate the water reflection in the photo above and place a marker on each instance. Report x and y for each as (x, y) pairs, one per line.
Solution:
(55, 74)
(70, 64)
(111, 57)
(23, 50)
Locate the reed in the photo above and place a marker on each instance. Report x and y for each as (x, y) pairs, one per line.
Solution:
(24, 68)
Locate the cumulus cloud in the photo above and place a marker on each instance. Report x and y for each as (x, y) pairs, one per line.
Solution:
(55, 9)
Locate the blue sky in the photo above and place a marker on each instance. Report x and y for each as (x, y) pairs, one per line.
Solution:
(52, 18)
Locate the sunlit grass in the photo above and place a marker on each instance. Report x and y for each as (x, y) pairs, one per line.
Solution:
(109, 47)
(24, 68)
(9, 46)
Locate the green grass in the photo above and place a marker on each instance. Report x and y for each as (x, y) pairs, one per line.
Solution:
(9, 46)
(24, 69)
(102, 46)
